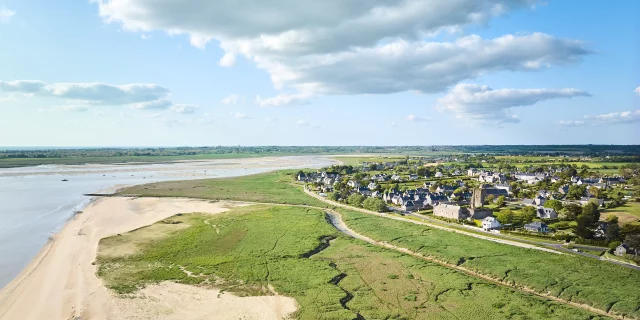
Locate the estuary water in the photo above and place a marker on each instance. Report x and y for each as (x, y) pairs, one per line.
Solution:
(35, 202)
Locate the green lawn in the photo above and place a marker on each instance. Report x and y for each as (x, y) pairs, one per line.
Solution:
(249, 248)
(271, 187)
(583, 280)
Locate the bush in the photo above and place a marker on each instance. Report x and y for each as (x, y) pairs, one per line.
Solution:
(374, 204)
(592, 242)
(614, 244)
(355, 200)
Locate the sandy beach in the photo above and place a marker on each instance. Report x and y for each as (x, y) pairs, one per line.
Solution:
(61, 282)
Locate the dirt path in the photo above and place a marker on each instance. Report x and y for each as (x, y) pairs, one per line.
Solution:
(336, 221)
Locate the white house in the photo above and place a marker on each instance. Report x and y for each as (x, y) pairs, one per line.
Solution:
(490, 223)
(546, 213)
(438, 174)
(353, 184)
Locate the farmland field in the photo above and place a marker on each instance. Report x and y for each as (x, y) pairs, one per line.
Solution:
(271, 187)
(577, 279)
(248, 249)
(629, 212)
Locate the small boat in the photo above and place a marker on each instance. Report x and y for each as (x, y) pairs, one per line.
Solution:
(65, 180)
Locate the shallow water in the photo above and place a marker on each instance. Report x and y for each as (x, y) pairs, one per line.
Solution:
(35, 202)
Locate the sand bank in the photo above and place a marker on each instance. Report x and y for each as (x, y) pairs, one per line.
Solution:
(61, 282)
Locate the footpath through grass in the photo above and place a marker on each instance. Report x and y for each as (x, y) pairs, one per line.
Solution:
(271, 187)
(581, 280)
(248, 249)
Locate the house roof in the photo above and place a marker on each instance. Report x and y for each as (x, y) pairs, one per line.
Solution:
(535, 225)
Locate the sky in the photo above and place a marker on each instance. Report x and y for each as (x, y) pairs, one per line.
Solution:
(308, 72)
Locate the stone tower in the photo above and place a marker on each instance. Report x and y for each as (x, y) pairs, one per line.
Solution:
(477, 199)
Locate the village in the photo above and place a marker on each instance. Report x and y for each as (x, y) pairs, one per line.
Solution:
(557, 202)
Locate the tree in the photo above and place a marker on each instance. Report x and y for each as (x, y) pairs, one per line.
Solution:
(355, 200)
(553, 204)
(333, 196)
(583, 229)
(633, 241)
(612, 232)
(460, 190)
(505, 216)
(374, 204)
(500, 201)
(528, 214)
(594, 191)
(576, 192)
(629, 229)
(571, 211)
(489, 199)
(591, 209)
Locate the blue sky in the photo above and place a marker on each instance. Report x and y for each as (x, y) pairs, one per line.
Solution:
(149, 73)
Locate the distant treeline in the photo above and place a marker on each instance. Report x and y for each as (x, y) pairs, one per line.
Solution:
(629, 152)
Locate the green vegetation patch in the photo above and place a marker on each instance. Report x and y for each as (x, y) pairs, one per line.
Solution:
(271, 187)
(578, 279)
(289, 248)
(389, 285)
(243, 251)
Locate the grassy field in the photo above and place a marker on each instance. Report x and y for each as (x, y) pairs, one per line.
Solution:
(250, 248)
(630, 212)
(271, 187)
(582, 280)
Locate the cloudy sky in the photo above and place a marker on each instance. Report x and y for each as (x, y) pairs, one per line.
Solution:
(308, 72)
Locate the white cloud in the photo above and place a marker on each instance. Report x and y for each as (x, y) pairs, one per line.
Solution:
(351, 46)
(303, 25)
(183, 108)
(605, 119)
(284, 100)
(415, 118)
(6, 15)
(160, 104)
(616, 117)
(90, 92)
(572, 123)
(303, 123)
(73, 108)
(638, 90)
(228, 60)
(241, 116)
(22, 86)
(232, 99)
(477, 102)
(138, 96)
